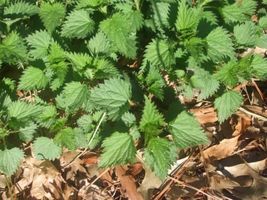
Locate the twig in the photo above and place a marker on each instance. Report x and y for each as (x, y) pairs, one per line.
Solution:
(9, 188)
(90, 141)
(193, 188)
(258, 89)
(253, 114)
(97, 178)
(165, 187)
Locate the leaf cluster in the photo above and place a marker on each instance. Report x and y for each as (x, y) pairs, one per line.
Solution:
(99, 73)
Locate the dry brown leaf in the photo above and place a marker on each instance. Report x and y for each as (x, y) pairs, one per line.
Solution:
(219, 182)
(3, 183)
(151, 181)
(222, 150)
(90, 159)
(46, 181)
(92, 193)
(257, 189)
(46, 176)
(243, 123)
(106, 177)
(74, 167)
(136, 169)
(243, 170)
(128, 183)
(205, 115)
(256, 109)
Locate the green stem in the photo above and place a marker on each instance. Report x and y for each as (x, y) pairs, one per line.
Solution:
(137, 4)
(9, 185)
(4, 142)
(204, 3)
(97, 128)
(90, 141)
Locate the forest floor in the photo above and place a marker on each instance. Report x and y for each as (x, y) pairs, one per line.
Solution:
(232, 166)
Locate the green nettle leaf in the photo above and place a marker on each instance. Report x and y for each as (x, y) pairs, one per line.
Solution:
(119, 33)
(79, 60)
(59, 70)
(128, 119)
(32, 78)
(26, 133)
(105, 69)
(5, 100)
(73, 96)
(23, 111)
(232, 13)
(113, 96)
(91, 3)
(52, 15)
(78, 25)
(118, 149)
(187, 131)
(99, 43)
(227, 104)
(56, 53)
(248, 7)
(39, 43)
(158, 156)
(45, 148)
(234, 72)
(155, 82)
(220, 45)
(227, 74)
(246, 34)
(188, 18)
(136, 20)
(21, 7)
(240, 11)
(210, 17)
(263, 22)
(197, 48)
(259, 66)
(159, 53)
(161, 14)
(66, 137)
(205, 82)
(48, 116)
(262, 41)
(13, 49)
(10, 160)
(151, 120)
(85, 122)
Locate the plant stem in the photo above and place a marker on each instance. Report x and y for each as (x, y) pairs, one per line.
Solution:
(90, 141)
(9, 185)
(137, 4)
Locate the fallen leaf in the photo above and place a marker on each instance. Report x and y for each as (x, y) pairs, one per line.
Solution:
(222, 150)
(219, 182)
(243, 122)
(106, 177)
(76, 165)
(136, 169)
(205, 115)
(151, 181)
(92, 193)
(90, 159)
(45, 180)
(128, 183)
(2, 182)
(257, 190)
(243, 170)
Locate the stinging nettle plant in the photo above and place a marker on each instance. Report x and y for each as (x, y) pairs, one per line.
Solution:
(89, 74)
